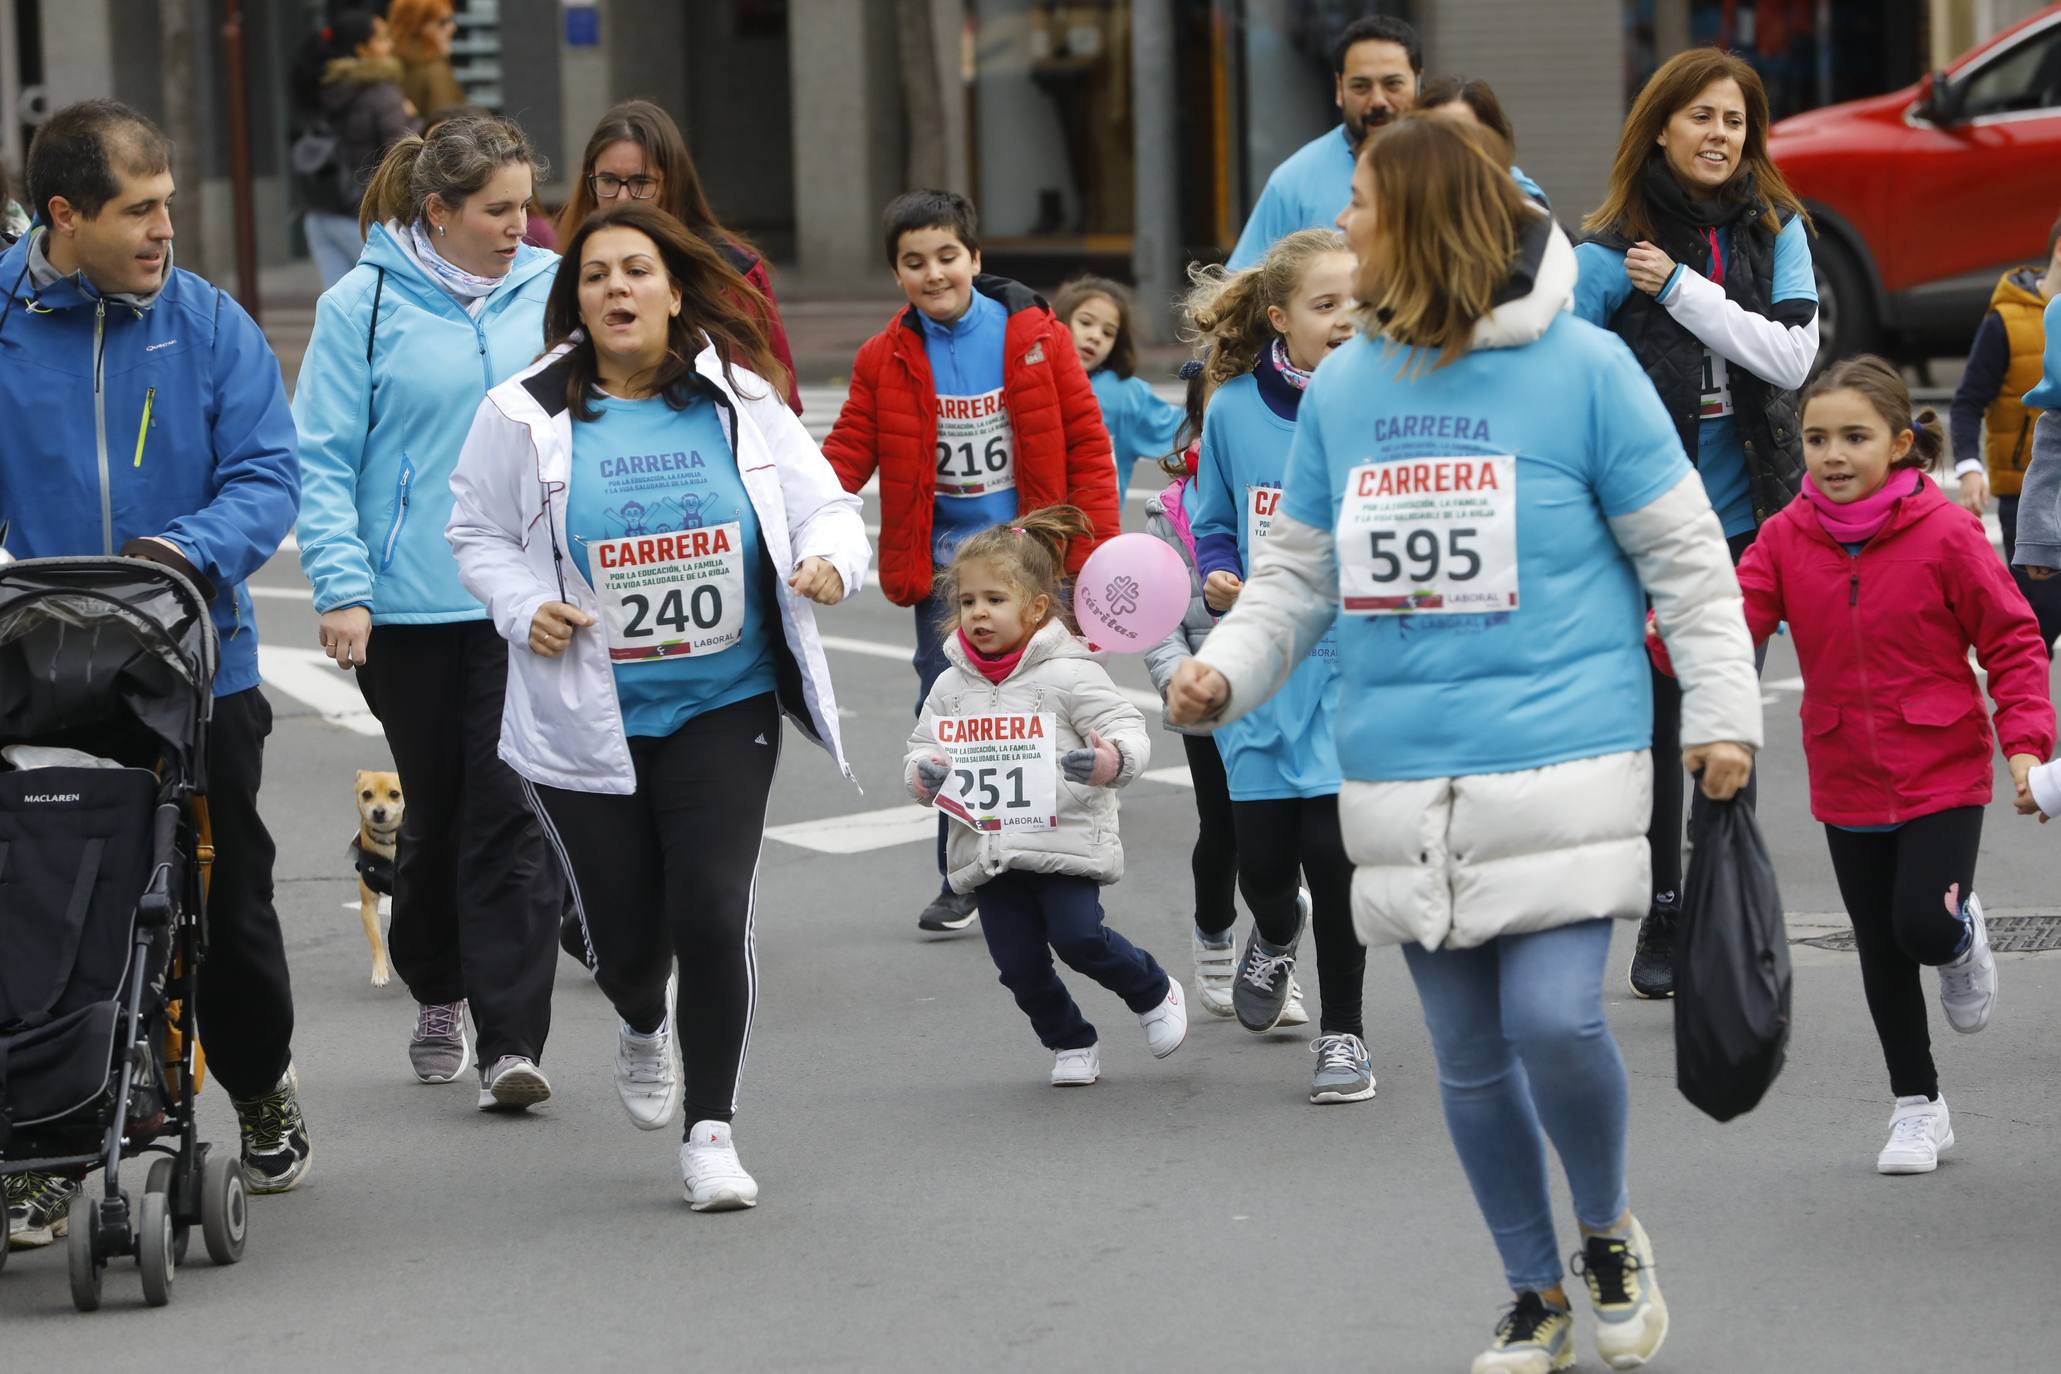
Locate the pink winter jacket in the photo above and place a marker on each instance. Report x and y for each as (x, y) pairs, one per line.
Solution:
(1893, 721)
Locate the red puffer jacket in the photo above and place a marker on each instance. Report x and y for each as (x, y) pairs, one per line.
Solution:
(889, 421)
(1893, 722)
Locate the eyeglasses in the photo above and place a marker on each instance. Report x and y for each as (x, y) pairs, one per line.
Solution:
(607, 186)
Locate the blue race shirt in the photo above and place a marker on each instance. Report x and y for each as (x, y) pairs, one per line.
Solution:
(643, 468)
(1140, 424)
(1285, 747)
(1564, 675)
(966, 373)
(1720, 448)
(1305, 192)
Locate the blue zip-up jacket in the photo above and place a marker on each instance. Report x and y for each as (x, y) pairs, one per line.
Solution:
(122, 420)
(379, 442)
(1140, 425)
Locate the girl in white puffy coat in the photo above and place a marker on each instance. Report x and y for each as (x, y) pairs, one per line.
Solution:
(1021, 740)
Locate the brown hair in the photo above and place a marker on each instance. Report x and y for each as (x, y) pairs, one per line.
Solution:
(715, 302)
(1030, 554)
(1447, 223)
(680, 192)
(1227, 311)
(458, 157)
(1077, 291)
(407, 21)
(1680, 79)
(1878, 382)
(1477, 95)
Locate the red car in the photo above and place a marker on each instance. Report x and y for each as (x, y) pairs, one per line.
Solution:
(1923, 197)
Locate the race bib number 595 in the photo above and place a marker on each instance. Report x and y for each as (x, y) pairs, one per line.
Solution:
(1429, 536)
(1005, 771)
(670, 595)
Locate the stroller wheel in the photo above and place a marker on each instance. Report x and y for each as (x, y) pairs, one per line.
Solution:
(85, 1263)
(224, 1207)
(154, 1248)
(160, 1180)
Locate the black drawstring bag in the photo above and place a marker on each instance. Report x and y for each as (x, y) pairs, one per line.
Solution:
(1732, 978)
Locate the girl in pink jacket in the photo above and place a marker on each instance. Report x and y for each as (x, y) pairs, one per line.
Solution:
(1886, 585)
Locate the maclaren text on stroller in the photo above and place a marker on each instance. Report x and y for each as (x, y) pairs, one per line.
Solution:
(108, 664)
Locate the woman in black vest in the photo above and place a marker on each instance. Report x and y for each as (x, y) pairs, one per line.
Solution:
(1700, 260)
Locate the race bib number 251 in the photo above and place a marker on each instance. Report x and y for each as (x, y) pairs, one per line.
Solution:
(1429, 536)
(1005, 771)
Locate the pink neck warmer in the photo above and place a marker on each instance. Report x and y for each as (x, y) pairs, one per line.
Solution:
(993, 669)
(1856, 522)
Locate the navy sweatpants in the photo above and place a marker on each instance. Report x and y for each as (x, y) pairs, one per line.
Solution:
(1029, 917)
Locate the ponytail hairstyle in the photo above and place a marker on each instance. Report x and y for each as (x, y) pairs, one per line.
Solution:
(1878, 381)
(1029, 553)
(1227, 311)
(1123, 354)
(458, 158)
(717, 306)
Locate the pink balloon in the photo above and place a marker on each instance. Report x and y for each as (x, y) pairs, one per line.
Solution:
(1131, 593)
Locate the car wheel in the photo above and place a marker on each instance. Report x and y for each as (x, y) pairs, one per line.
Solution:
(1846, 308)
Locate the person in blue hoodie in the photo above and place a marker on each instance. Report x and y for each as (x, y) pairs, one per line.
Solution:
(1097, 312)
(145, 417)
(1266, 329)
(445, 303)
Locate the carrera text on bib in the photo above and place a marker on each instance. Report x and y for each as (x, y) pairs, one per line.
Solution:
(976, 445)
(1261, 504)
(670, 595)
(1429, 536)
(1005, 771)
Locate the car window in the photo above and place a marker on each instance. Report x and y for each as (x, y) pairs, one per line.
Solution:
(2026, 78)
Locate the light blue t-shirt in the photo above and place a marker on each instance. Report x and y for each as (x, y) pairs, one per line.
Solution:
(1563, 676)
(966, 373)
(645, 469)
(1285, 747)
(1140, 424)
(1720, 448)
(1305, 192)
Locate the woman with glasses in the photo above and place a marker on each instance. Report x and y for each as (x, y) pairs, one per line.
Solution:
(638, 154)
(423, 30)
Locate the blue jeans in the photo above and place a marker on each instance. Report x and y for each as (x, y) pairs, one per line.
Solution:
(1029, 917)
(334, 243)
(1517, 1027)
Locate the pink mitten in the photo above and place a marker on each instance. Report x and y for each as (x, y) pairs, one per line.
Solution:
(1096, 766)
(927, 777)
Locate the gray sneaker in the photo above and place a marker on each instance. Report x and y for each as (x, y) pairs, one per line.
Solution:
(1345, 1073)
(512, 1085)
(1259, 994)
(38, 1209)
(438, 1051)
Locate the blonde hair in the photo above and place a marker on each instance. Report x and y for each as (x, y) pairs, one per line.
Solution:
(1227, 311)
(1448, 218)
(1029, 553)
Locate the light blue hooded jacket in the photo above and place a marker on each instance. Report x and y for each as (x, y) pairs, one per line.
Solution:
(379, 439)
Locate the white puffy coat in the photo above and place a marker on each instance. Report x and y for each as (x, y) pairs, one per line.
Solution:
(562, 724)
(1056, 674)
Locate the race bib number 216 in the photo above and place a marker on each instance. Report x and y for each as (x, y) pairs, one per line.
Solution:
(1429, 536)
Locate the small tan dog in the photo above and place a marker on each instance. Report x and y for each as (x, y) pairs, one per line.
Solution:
(380, 805)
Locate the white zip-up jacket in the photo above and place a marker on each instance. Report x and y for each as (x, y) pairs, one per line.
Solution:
(1056, 674)
(562, 725)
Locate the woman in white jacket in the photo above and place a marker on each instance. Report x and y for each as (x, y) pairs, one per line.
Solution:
(1483, 492)
(647, 523)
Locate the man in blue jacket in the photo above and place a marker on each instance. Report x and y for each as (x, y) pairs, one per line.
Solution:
(142, 415)
(1377, 66)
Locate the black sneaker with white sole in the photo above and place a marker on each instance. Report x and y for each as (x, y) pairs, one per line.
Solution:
(948, 911)
(1652, 973)
(276, 1152)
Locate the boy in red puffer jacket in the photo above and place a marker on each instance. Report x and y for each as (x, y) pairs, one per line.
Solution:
(1886, 585)
(972, 405)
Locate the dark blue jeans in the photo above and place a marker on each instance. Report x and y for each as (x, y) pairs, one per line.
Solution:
(930, 664)
(1029, 917)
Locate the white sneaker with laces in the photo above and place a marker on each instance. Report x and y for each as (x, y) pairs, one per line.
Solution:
(1968, 984)
(1166, 1025)
(1919, 1130)
(647, 1070)
(1077, 1068)
(710, 1174)
(1215, 967)
(1292, 1014)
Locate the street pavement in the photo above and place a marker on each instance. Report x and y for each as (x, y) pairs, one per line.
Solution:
(928, 1203)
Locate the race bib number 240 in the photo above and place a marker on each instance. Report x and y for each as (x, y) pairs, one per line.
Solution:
(1429, 536)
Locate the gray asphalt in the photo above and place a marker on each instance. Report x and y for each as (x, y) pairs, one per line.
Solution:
(930, 1204)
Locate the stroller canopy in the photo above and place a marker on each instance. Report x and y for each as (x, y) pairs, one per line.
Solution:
(115, 656)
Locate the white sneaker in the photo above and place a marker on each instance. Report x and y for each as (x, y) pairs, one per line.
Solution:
(1077, 1068)
(1919, 1130)
(1215, 967)
(1166, 1025)
(710, 1175)
(647, 1070)
(1968, 985)
(1292, 1013)
(1624, 1293)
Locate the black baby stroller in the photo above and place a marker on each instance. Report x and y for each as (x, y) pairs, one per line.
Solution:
(108, 663)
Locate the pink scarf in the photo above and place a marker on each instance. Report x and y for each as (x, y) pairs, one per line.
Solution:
(993, 669)
(1856, 522)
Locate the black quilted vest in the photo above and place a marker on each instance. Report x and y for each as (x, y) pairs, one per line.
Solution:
(1673, 357)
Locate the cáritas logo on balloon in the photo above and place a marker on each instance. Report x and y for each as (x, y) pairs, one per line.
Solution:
(1122, 595)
